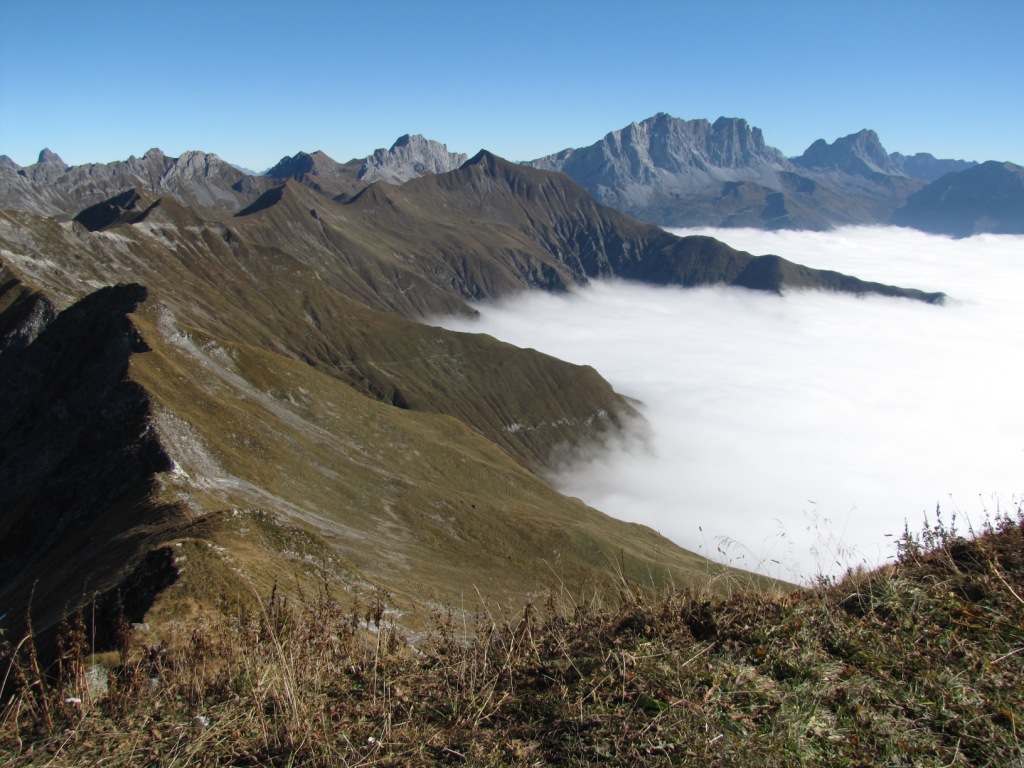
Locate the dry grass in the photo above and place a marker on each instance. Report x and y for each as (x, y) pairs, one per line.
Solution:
(918, 663)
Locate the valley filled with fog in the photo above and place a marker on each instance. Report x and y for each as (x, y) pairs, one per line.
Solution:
(796, 435)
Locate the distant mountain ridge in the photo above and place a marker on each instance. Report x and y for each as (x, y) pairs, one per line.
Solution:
(682, 173)
(51, 187)
(663, 170)
(986, 198)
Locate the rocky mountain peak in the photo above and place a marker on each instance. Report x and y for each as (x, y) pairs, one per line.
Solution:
(302, 164)
(860, 153)
(665, 156)
(293, 166)
(51, 158)
(675, 145)
(409, 157)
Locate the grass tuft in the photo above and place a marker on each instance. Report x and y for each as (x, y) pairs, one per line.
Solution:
(916, 663)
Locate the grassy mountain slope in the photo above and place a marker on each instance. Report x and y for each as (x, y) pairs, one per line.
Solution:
(209, 278)
(268, 359)
(918, 664)
(140, 420)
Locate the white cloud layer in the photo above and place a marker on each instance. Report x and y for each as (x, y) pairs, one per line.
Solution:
(796, 432)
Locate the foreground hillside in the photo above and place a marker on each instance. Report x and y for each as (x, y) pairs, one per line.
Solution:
(919, 663)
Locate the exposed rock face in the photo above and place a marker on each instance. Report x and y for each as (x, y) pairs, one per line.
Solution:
(664, 156)
(52, 188)
(409, 158)
(682, 173)
(986, 198)
(859, 154)
(24, 313)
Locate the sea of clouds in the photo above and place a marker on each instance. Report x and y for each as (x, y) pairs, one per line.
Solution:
(798, 434)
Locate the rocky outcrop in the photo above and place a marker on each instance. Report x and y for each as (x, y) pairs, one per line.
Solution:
(410, 157)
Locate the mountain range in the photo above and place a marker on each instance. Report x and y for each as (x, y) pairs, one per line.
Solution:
(692, 173)
(662, 170)
(215, 383)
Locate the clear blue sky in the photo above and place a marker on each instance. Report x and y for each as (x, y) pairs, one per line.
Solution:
(254, 81)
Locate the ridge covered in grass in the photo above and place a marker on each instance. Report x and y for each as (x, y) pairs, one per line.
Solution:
(916, 663)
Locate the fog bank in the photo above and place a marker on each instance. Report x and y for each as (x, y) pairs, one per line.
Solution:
(797, 434)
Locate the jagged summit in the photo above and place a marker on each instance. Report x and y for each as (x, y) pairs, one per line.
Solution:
(51, 158)
(859, 153)
(664, 156)
(52, 188)
(409, 157)
(686, 173)
(488, 159)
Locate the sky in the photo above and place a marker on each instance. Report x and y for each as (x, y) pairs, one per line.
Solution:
(255, 81)
(798, 435)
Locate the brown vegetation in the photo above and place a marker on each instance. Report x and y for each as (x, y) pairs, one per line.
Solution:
(918, 663)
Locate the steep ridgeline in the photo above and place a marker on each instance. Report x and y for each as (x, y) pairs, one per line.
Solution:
(319, 172)
(859, 154)
(661, 168)
(494, 226)
(239, 423)
(52, 188)
(680, 173)
(78, 460)
(408, 158)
